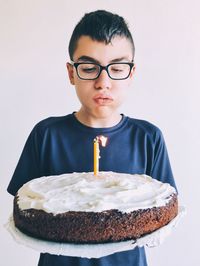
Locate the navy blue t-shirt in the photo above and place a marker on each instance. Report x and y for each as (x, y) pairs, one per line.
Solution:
(60, 145)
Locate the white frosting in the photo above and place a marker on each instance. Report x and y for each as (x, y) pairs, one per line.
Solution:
(86, 192)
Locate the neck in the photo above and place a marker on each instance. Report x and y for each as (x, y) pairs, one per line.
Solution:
(98, 122)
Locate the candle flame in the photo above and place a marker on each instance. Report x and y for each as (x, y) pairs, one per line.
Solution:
(102, 140)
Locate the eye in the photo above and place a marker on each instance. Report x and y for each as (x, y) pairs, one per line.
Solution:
(117, 68)
(88, 68)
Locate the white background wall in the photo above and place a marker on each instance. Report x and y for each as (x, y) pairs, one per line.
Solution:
(33, 83)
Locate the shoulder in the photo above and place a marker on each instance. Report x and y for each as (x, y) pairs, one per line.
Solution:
(144, 127)
(51, 123)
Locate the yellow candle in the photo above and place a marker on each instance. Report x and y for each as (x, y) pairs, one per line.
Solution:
(96, 156)
(99, 140)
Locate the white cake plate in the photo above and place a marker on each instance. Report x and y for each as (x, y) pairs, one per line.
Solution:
(93, 250)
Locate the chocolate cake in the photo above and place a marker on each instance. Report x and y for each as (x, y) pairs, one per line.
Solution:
(83, 208)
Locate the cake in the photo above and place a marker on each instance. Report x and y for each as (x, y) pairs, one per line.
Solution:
(83, 208)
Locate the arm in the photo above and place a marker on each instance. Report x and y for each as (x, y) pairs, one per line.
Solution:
(28, 165)
(161, 168)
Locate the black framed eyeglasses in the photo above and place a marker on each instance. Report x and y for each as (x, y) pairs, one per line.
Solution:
(91, 71)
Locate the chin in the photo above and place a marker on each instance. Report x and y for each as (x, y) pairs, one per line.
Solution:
(103, 114)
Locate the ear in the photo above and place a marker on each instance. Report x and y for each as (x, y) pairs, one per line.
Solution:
(132, 73)
(70, 71)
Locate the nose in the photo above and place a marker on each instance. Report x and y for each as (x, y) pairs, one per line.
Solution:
(103, 81)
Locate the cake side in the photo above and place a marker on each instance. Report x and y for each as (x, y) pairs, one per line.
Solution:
(94, 227)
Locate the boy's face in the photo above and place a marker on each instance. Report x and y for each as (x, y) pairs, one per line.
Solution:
(100, 98)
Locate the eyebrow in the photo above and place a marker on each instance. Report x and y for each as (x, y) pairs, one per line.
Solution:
(86, 58)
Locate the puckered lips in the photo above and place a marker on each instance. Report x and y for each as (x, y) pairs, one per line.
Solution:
(103, 99)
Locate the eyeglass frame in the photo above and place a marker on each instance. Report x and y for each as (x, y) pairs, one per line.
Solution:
(76, 64)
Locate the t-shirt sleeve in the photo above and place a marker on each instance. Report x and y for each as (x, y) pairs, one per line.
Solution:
(28, 164)
(161, 168)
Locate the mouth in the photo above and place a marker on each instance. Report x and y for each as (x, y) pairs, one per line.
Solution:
(103, 99)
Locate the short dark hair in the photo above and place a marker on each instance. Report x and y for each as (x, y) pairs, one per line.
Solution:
(101, 26)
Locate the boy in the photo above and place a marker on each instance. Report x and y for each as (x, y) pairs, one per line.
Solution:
(102, 67)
